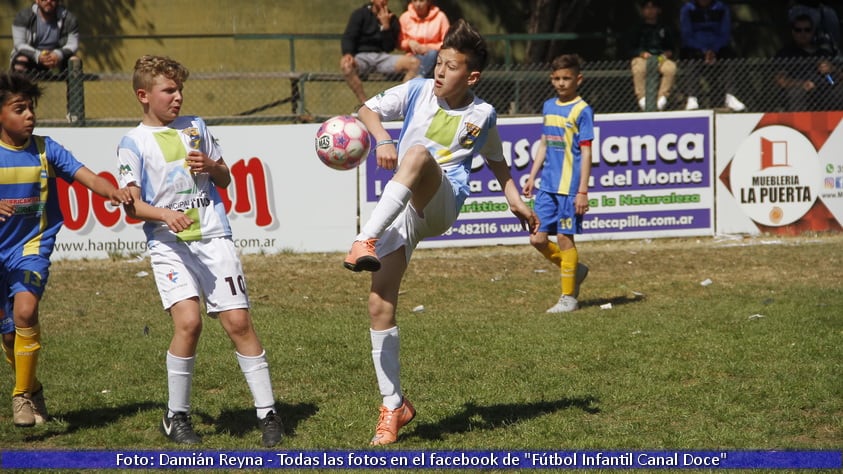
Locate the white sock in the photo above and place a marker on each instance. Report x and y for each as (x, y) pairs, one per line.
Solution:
(256, 370)
(179, 381)
(385, 345)
(393, 200)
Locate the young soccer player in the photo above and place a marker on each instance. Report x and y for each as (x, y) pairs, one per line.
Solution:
(172, 165)
(30, 218)
(445, 126)
(564, 158)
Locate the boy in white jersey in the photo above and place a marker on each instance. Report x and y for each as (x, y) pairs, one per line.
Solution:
(172, 166)
(564, 159)
(445, 126)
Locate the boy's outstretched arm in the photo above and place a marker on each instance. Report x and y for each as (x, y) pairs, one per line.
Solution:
(138, 209)
(522, 211)
(386, 154)
(102, 186)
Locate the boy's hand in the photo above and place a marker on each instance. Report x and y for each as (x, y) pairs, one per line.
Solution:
(120, 196)
(528, 188)
(6, 210)
(387, 156)
(529, 219)
(198, 162)
(175, 220)
(581, 204)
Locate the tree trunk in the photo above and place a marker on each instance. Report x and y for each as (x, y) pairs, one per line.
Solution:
(552, 16)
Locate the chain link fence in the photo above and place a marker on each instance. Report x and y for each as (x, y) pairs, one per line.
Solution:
(84, 98)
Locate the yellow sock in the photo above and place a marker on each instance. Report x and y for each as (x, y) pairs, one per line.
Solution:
(551, 252)
(27, 347)
(568, 270)
(10, 353)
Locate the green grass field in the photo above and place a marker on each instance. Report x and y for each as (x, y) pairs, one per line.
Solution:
(752, 361)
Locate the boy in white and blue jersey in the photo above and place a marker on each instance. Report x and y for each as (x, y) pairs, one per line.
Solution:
(172, 166)
(564, 159)
(445, 127)
(30, 219)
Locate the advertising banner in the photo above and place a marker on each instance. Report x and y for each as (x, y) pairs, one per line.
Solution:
(651, 176)
(779, 173)
(282, 198)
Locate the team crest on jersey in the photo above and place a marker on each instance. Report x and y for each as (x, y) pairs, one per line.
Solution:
(123, 170)
(470, 136)
(193, 137)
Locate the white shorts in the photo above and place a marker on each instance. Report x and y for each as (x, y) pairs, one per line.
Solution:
(207, 268)
(409, 228)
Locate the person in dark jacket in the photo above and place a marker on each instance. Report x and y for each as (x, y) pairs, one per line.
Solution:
(706, 30)
(367, 43)
(806, 73)
(45, 36)
(652, 37)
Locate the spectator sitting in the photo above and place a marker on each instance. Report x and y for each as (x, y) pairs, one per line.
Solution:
(423, 27)
(706, 30)
(369, 38)
(46, 38)
(825, 20)
(652, 37)
(806, 74)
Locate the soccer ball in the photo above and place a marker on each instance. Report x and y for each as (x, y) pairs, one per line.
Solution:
(342, 142)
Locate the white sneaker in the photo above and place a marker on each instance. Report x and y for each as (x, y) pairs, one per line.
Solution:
(692, 103)
(566, 304)
(642, 103)
(734, 104)
(661, 103)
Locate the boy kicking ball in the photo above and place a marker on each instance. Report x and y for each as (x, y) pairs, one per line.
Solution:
(445, 127)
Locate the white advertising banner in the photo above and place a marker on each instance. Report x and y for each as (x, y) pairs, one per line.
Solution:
(779, 173)
(282, 198)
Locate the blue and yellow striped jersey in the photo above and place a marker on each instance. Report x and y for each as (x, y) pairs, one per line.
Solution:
(28, 180)
(566, 124)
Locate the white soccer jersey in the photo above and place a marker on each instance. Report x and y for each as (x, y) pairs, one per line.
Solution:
(453, 136)
(154, 159)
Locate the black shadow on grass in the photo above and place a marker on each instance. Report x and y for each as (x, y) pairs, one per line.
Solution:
(240, 422)
(92, 418)
(615, 301)
(491, 417)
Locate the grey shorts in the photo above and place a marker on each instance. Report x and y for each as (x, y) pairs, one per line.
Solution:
(383, 63)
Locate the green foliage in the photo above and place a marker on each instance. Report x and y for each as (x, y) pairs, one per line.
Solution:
(752, 361)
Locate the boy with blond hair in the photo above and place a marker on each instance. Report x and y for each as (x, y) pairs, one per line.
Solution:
(172, 165)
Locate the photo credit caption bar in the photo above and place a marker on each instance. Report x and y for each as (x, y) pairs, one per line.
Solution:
(723, 459)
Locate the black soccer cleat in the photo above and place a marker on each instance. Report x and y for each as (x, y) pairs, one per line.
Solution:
(179, 429)
(273, 430)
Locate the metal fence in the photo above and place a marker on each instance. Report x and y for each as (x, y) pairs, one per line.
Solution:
(85, 98)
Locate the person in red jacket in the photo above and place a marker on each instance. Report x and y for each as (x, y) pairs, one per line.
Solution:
(423, 27)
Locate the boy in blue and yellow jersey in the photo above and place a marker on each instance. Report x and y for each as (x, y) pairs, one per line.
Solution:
(30, 218)
(564, 158)
(172, 165)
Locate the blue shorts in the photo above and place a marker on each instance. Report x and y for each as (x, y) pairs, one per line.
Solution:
(20, 273)
(557, 213)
